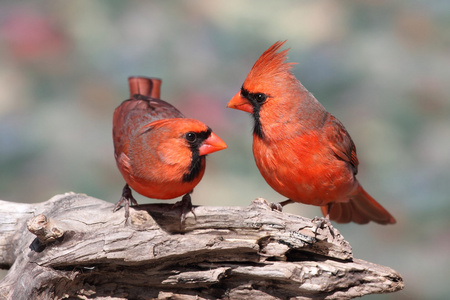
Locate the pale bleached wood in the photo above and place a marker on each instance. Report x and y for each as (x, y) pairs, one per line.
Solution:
(226, 253)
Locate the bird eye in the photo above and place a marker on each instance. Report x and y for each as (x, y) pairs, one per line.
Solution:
(261, 97)
(191, 137)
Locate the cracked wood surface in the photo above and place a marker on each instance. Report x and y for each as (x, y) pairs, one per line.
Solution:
(75, 246)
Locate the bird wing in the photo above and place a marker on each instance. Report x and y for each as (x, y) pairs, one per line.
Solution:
(340, 142)
(142, 110)
(136, 112)
(124, 164)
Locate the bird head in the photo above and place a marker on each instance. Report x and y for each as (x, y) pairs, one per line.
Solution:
(276, 99)
(267, 84)
(181, 143)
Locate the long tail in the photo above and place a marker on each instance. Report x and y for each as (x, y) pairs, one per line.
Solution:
(361, 209)
(150, 87)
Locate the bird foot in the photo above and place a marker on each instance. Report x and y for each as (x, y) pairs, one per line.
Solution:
(276, 206)
(186, 206)
(279, 205)
(126, 199)
(321, 223)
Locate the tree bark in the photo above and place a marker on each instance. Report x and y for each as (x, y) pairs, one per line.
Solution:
(74, 247)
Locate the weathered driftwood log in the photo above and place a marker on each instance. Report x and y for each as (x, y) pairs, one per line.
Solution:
(80, 249)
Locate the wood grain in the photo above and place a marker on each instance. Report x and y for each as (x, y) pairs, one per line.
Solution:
(83, 250)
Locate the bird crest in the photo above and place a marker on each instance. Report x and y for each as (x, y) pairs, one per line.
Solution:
(270, 65)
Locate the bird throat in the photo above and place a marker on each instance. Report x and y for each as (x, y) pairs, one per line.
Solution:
(197, 160)
(252, 98)
(195, 167)
(257, 127)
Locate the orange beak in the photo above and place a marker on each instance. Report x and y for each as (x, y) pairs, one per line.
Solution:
(212, 144)
(239, 102)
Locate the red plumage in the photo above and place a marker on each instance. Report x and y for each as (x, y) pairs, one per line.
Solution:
(159, 152)
(301, 150)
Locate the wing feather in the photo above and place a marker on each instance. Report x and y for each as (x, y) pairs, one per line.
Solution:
(341, 143)
(141, 109)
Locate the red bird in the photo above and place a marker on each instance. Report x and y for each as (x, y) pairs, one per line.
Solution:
(301, 150)
(160, 153)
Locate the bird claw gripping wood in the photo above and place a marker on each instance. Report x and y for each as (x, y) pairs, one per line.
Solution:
(321, 223)
(279, 205)
(276, 206)
(185, 206)
(126, 198)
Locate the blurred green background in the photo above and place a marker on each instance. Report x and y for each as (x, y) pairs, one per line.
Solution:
(381, 67)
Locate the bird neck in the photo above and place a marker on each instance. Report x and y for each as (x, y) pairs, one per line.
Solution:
(291, 116)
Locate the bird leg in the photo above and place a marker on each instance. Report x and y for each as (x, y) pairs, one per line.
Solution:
(186, 206)
(279, 206)
(126, 198)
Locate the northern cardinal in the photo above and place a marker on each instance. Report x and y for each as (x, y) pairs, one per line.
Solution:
(160, 153)
(301, 150)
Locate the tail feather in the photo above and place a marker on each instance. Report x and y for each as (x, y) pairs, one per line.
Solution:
(361, 209)
(150, 87)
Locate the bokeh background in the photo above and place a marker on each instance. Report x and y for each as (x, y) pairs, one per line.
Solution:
(381, 67)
